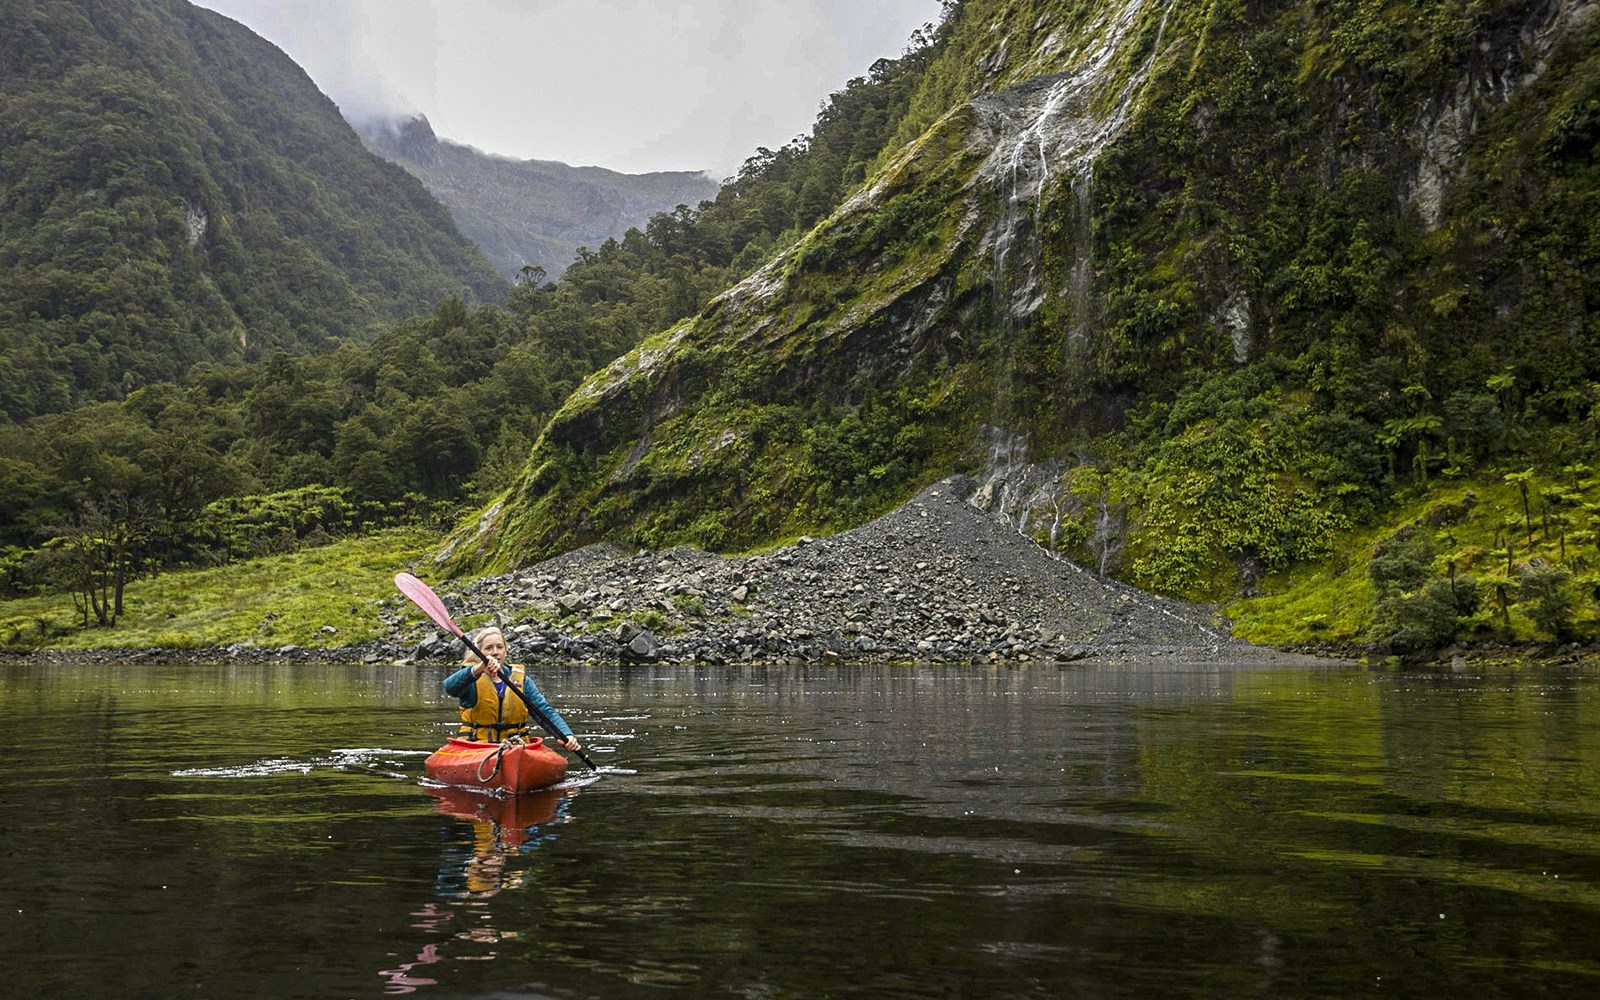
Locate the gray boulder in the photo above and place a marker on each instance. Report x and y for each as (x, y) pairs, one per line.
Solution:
(642, 648)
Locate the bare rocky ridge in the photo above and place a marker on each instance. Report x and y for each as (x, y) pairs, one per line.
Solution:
(531, 212)
(936, 580)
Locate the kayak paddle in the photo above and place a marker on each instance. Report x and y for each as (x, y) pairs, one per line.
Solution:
(423, 597)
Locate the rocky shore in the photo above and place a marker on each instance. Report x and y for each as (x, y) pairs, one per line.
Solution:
(937, 580)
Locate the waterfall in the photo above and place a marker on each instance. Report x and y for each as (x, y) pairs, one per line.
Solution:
(1051, 129)
(1018, 491)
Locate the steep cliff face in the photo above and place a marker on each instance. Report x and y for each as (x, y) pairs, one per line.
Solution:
(1118, 216)
(532, 212)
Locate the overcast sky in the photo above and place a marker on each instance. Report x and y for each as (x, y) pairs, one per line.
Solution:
(625, 84)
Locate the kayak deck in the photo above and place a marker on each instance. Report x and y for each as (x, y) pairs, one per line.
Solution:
(518, 768)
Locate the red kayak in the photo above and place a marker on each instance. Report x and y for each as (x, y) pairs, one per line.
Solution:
(519, 768)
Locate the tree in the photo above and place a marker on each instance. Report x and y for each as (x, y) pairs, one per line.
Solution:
(501, 463)
(187, 471)
(1402, 564)
(1502, 585)
(1504, 385)
(1419, 620)
(442, 445)
(1550, 601)
(103, 551)
(1474, 422)
(1521, 481)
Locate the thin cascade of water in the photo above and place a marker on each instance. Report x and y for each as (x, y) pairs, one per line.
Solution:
(1015, 488)
(1052, 131)
(1080, 279)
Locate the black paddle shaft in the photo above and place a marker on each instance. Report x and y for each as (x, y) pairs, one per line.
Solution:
(533, 710)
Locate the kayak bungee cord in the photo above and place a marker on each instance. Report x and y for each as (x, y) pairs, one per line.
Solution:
(497, 757)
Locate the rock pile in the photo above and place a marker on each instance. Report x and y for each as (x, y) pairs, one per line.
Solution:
(935, 580)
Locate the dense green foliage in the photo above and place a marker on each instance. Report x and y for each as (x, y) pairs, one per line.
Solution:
(173, 189)
(1463, 560)
(1401, 341)
(276, 600)
(243, 460)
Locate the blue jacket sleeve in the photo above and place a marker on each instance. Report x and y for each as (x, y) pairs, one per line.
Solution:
(532, 691)
(461, 685)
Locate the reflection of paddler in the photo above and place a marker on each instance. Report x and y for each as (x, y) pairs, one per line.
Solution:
(400, 980)
(486, 871)
(500, 827)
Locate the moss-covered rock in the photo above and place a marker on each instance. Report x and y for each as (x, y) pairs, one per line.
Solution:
(1262, 271)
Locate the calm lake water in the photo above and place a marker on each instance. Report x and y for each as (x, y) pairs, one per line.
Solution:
(260, 831)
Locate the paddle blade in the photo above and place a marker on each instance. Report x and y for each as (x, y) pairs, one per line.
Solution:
(423, 597)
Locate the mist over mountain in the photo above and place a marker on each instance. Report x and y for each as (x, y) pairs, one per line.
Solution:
(175, 189)
(530, 212)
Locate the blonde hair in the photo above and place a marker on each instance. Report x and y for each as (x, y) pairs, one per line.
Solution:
(470, 658)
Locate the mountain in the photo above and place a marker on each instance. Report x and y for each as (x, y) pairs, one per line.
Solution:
(174, 189)
(431, 410)
(1194, 288)
(531, 212)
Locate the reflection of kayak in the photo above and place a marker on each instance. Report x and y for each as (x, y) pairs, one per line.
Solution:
(531, 809)
(515, 769)
(513, 814)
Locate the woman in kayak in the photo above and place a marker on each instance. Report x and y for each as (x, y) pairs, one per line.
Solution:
(489, 712)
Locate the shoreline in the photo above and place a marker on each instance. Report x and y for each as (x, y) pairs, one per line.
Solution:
(592, 651)
(938, 580)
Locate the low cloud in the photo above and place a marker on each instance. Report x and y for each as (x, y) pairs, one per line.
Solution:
(345, 46)
(626, 84)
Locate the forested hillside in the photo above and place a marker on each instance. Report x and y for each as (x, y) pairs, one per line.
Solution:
(237, 460)
(174, 189)
(1204, 292)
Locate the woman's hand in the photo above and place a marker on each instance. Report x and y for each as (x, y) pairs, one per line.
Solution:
(490, 665)
(571, 743)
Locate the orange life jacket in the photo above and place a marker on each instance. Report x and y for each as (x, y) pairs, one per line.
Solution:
(493, 719)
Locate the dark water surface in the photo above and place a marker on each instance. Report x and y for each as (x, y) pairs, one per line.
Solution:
(260, 831)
